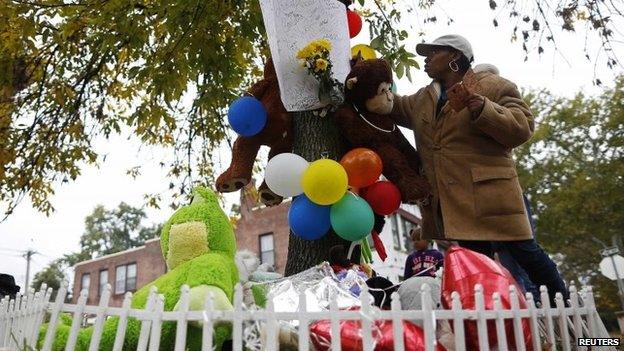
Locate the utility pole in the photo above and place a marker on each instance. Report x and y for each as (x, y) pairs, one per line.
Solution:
(28, 256)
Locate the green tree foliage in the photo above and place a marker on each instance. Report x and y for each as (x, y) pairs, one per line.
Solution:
(96, 68)
(74, 71)
(53, 276)
(573, 172)
(164, 72)
(106, 232)
(110, 231)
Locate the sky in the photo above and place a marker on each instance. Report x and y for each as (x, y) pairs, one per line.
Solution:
(109, 185)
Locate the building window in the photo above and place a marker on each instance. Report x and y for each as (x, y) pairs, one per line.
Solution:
(85, 282)
(396, 238)
(267, 253)
(125, 278)
(131, 277)
(103, 281)
(120, 280)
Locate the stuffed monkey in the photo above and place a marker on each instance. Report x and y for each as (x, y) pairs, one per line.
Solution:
(363, 121)
(277, 134)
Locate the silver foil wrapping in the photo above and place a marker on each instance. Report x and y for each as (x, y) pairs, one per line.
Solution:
(320, 285)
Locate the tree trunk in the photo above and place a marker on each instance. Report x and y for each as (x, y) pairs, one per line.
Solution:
(314, 136)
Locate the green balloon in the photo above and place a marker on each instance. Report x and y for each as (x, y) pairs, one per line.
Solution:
(393, 88)
(351, 217)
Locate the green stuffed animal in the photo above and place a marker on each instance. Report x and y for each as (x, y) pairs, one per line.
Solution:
(198, 245)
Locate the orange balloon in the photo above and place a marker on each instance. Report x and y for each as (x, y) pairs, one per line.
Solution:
(363, 167)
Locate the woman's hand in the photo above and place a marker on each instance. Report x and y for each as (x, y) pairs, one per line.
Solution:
(475, 104)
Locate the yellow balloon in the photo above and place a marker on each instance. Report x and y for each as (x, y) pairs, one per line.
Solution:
(366, 51)
(324, 182)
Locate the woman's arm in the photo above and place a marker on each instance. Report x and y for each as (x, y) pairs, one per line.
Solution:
(508, 120)
(404, 107)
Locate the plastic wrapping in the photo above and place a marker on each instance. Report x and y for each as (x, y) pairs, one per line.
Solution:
(291, 25)
(320, 285)
(352, 280)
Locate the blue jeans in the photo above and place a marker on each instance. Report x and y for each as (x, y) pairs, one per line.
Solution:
(530, 257)
(517, 272)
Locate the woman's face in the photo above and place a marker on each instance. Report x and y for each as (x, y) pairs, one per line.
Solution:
(437, 62)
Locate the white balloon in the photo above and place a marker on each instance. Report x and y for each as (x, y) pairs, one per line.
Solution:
(283, 174)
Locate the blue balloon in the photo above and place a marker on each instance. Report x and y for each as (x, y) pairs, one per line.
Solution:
(307, 219)
(247, 116)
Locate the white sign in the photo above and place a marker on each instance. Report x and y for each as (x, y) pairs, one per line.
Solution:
(291, 25)
(610, 251)
(608, 270)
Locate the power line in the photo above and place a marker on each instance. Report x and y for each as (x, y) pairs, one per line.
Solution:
(27, 254)
(23, 252)
(12, 255)
(12, 250)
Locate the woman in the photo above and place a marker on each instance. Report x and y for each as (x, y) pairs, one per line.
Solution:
(466, 124)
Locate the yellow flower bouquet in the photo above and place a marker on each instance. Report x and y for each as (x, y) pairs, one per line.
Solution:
(315, 58)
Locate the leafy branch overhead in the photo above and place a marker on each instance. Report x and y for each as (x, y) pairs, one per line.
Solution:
(539, 24)
(74, 73)
(79, 71)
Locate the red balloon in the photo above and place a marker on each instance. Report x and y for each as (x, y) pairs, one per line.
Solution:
(363, 166)
(351, 336)
(383, 197)
(463, 269)
(355, 23)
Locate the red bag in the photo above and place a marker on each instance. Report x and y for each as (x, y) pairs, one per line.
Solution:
(463, 269)
(351, 338)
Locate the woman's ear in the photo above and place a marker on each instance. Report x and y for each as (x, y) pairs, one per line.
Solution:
(456, 55)
(351, 82)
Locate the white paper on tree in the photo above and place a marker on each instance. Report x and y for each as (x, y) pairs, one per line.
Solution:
(293, 24)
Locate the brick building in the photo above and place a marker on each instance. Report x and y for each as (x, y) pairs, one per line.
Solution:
(263, 230)
(125, 271)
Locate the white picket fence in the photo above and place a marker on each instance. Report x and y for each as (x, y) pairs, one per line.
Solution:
(557, 327)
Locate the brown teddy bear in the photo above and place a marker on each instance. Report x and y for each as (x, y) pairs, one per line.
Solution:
(363, 121)
(277, 134)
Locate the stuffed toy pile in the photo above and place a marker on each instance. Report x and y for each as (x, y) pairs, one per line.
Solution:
(198, 245)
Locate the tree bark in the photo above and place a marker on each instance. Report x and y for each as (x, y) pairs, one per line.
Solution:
(314, 136)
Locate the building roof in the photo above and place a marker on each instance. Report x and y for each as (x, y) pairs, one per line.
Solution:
(117, 253)
(408, 215)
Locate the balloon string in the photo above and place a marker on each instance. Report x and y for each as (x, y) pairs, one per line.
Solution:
(351, 247)
(325, 154)
(399, 284)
